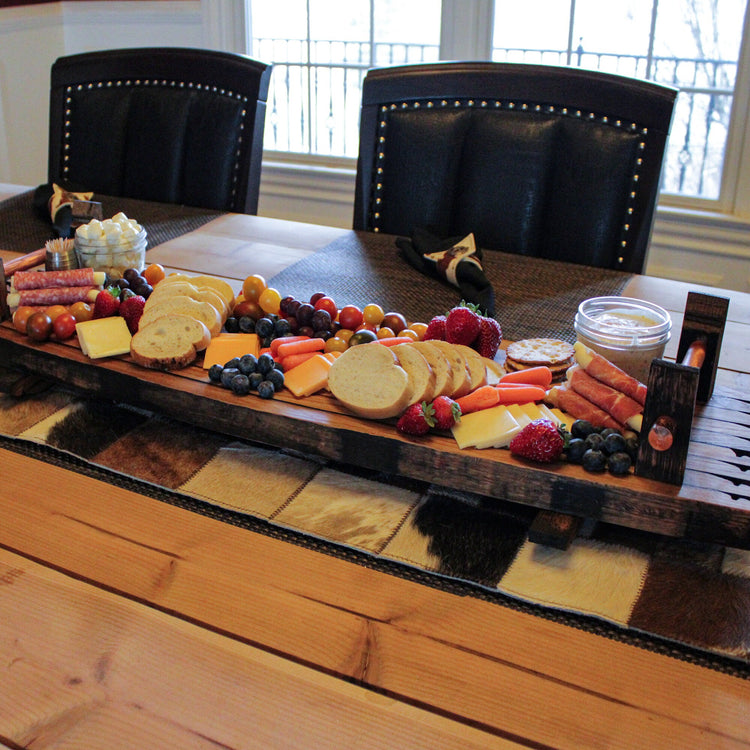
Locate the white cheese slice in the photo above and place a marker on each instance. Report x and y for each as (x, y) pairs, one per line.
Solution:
(489, 428)
(519, 414)
(104, 337)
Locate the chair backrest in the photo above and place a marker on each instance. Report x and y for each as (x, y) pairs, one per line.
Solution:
(167, 124)
(553, 162)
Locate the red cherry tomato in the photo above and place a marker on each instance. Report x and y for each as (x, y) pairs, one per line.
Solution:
(350, 316)
(64, 326)
(326, 303)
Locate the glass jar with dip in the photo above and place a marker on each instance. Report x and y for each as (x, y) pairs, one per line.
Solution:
(628, 332)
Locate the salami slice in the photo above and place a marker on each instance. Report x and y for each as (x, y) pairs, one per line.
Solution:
(64, 295)
(45, 279)
(581, 408)
(604, 371)
(622, 408)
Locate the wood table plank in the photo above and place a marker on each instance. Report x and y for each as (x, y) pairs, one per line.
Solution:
(107, 672)
(507, 672)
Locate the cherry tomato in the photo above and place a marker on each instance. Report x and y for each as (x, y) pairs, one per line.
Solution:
(335, 344)
(395, 321)
(418, 328)
(20, 316)
(409, 333)
(350, 316)
(344, 333)
(39, 326)
(154, 273)
(82, 311)
(373, 314)
(253, 286)
(385, 333)
(269, 300)
(315, 297)
(327, 304)
(64, 326)
(246, 307)
(363, 336)
(55, 311)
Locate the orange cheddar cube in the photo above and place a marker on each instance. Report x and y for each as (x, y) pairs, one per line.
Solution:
(227, 345)
(309, 377)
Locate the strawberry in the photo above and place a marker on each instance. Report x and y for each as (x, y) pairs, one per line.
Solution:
(107, 303)
(416, 420)
(539, 441)
(490, 335)
(447, 412)
(435, 329)
(131, 309)
(462, 326)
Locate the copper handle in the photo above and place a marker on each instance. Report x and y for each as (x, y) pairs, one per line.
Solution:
(24, 262)
(695, 354)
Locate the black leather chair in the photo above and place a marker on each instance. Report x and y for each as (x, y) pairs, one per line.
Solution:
(169, 124)
(554, 162)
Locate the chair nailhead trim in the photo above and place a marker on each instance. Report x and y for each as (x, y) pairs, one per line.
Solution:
(159, 83)
(510, 105)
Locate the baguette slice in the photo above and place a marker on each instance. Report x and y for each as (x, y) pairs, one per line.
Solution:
(440, 366)
(223, 288)
(166, 288)
(421, 376)
(459, 368)
(475, 365)
(368, 380)
(169, 342)
(181, 305)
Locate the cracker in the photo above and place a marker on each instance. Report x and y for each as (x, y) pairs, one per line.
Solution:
(533, 352)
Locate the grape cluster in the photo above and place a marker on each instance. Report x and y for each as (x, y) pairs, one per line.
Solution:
(132, 283)
(598, 450)
(268, 328)
(248, 373)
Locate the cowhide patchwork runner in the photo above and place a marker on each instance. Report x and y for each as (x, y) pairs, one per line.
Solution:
(685, 599)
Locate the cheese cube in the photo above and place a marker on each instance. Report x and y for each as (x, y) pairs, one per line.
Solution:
(310, 376)
(104, 337)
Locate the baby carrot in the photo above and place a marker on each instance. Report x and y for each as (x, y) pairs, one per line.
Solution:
(276, 343)
(292, 360)
(531, 376)
(393, 340)
(481, 398)
(299, 347)
(514, 395)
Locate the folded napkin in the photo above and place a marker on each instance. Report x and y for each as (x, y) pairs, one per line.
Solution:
(455, 260)
(56, 202)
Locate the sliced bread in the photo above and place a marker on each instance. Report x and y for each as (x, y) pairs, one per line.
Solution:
(179, 304)
(169, 342)
(475, 365)
(368, 380)
(168, 288)
(421, 376)
(440, 366)
(459, 368)
(222, 287)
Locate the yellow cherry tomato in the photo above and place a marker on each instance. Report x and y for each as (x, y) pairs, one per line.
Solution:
(418, 328)
(253, 286)
(409, 333)
(335, 344)
(373, 314)
(55, 311)
(344, 334)
(82, 311)
(385, 333)
(269, 300)
(20, 316)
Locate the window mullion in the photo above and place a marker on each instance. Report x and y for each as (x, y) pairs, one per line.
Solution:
(466, 29)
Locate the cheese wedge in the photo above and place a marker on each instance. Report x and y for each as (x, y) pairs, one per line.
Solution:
(104, 337)
(490, 428)
(225, 346)
(309, 377)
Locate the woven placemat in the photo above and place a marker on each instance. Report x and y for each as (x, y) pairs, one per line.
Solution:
(533, 297)
(23, 230)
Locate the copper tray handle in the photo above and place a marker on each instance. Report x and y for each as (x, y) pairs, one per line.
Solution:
(24, 262)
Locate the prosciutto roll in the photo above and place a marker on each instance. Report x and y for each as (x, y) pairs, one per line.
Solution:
(581, 408)
(604, 371)
(620, 407)
(44, 279)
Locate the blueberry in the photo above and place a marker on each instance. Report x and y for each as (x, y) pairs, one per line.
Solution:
(264, 327)
(240, 384)
(576, 449)
(582, 428)
(214, 373)
(255, 380)
(279, 366)
(247, 364)
(232, 325)
(246, 324)
(595, 441)
(227, 374)
(614, 443)
(233, 363)
(265, 363)
(276, 378)
(266, 389)
(282, 328)
(619, 463)
(594, 460)
(631, 446)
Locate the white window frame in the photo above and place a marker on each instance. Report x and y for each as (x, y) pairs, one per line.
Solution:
(320, 189)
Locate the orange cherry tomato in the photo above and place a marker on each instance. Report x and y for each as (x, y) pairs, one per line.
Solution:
(253, 286)
(418, 328)
(55, 311)
(409, 333)
(82, 311)
(20, 316)
(373, 314)
(154, 273)
(385, 333)
(344, 334)
(335, 344)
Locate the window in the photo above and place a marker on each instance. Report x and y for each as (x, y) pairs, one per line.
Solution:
(321, 50)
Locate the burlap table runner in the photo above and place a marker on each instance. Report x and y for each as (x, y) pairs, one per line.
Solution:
(24, 230)
(533, 297)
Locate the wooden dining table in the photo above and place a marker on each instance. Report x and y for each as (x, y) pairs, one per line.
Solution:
(127, 622)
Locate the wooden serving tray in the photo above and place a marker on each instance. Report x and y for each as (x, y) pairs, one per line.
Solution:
(712, 505)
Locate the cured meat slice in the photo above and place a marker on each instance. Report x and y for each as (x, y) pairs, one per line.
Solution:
(581, 408)
(44, 279)
(64, 295)
(603, 370)
(624, 409)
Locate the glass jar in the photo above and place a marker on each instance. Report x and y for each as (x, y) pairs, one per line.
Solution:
(112, 245)
(628, 332)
